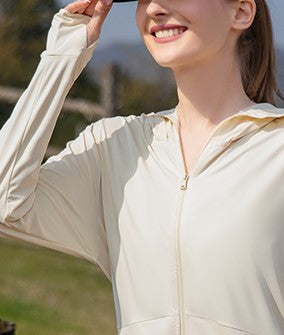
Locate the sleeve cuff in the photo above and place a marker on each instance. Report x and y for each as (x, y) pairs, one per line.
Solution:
(68, 35)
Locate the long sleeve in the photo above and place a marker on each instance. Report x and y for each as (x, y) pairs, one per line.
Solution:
(56, 204)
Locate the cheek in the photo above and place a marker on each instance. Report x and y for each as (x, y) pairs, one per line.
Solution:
(203, 13)
(140, 18)
(208, 19)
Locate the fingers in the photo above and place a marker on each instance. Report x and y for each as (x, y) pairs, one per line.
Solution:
(99, 14)
(90, 9)
(87, 7)
(107, 2)
(78, 6)
(98, 7)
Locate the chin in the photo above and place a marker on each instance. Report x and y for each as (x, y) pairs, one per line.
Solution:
(172, 56)
(165, 57)
(165, 61)
(172, 59)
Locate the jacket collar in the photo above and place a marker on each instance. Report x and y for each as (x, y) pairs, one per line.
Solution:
(258, 111)
(231, 129)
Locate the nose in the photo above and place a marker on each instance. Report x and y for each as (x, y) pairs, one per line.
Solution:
(156, 8)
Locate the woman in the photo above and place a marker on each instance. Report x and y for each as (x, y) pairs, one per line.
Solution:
(182, 209)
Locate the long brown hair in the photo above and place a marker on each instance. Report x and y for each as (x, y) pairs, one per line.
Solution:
(258, 59)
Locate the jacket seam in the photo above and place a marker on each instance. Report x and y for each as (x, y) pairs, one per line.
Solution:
(7, 195)
(148, 320)
(219, 323)
(149, 143)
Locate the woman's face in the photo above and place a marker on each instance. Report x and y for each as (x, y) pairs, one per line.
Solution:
(206, 26)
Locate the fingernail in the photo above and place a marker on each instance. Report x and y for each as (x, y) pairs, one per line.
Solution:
(108, 2)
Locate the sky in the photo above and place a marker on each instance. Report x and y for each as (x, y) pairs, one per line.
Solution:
(120, 23)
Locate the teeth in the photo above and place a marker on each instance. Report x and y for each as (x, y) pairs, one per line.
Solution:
(168, 33)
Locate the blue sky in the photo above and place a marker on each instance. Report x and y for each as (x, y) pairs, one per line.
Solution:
(120, 23)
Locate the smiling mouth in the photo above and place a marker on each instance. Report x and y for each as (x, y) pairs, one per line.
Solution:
(168, 32)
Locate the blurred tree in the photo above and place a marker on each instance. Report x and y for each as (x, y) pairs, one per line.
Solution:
(23, 28)
(139, 96)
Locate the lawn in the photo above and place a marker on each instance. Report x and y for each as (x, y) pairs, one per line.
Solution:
(48, 293)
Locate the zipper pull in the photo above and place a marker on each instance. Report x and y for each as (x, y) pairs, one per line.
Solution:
(183, 186)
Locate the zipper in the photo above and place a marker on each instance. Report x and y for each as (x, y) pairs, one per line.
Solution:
(184, 183)
(178, 258)
(184, 187)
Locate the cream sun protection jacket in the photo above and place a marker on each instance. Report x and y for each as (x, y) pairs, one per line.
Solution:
(187, 255)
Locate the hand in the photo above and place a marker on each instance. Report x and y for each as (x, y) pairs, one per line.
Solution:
(96, 9)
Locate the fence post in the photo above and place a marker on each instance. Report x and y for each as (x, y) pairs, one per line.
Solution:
(110, 89)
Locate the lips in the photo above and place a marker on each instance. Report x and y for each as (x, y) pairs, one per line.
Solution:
(166, 27)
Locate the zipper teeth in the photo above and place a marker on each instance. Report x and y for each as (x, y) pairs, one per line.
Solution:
(178, 261)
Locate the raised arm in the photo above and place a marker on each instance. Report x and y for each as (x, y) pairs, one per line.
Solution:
(58, 204)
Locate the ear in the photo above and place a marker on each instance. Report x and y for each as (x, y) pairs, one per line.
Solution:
(244, 14)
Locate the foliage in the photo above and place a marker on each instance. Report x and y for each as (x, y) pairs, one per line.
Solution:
(23, 26)
(139, 96)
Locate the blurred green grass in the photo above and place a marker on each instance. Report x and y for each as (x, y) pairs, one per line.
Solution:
(46, 292)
